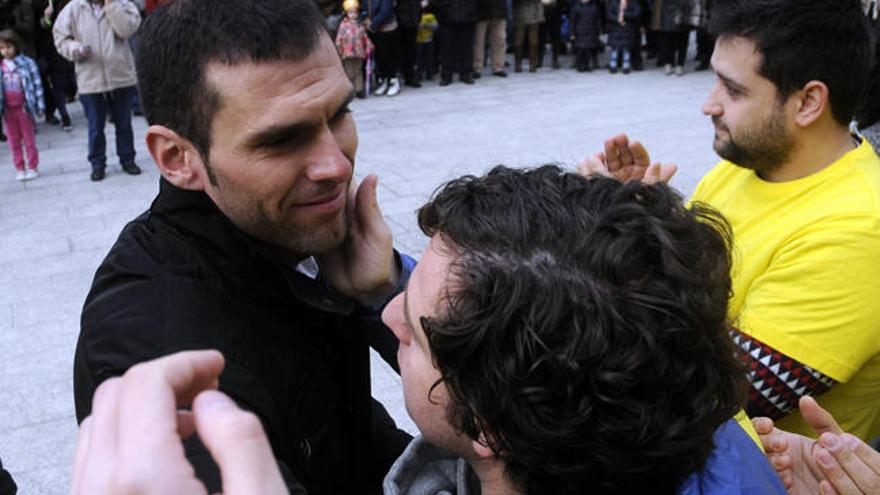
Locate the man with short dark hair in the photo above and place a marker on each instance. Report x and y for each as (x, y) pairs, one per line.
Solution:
(258, 243)
(803, 197)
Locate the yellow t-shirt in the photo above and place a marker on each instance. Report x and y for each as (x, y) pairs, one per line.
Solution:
(806, 275)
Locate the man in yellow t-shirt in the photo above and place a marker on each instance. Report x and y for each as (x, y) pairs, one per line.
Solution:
(803, 198)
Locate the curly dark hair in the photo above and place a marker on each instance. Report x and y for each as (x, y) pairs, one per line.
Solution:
(587, 330)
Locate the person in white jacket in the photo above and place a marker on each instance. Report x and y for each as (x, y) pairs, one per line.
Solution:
(94, 35)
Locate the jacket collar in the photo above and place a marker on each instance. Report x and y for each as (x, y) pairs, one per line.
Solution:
(193, 215)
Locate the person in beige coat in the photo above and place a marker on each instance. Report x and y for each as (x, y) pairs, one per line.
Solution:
(94, 35)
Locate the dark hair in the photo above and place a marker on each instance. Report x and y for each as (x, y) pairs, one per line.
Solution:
(178, 40)
(9, 36)
(868, 112)
(804, 40)
(586, 331)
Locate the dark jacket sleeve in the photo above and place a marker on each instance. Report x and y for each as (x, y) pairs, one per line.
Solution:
(7, 486)
(138, 310)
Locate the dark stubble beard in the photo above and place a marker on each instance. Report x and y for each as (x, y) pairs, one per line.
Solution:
(762, 148)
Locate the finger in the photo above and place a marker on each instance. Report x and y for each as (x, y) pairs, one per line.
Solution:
(639, 154)
(105, 418)
(624, 152)
(80, 456)
(834, 472)
(237, 441)
(825, 488)
(153, 391)
(667, 171)
(372, 220)
(594, 165)
(763, 426)
(819, 419)
(612, 151)
(850, 453)
(186, 424)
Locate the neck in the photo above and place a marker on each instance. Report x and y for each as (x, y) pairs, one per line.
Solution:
(493, 481)
(816, 149)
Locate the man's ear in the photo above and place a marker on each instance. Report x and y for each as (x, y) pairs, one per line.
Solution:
(481, 447)
(812, 103)
(178, 159)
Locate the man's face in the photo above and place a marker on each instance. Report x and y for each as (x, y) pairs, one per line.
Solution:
(424, 297)
(282, 149)
(751, 123)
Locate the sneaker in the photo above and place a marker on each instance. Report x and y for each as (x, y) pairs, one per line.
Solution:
(612, 69)
(97, 175)
(500, 73)
(20, 175)
(381, 87)
(413, 83)
(65, 125)
(626, 70)
(51, 120)
(31, 174)
(393, 87)
(131, 168)
(679, 71)
(667, 69)
(466, 78)
(476, 75)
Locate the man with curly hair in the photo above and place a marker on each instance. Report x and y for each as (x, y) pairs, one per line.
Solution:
(560, 335)
(802, 194)
(564, 334)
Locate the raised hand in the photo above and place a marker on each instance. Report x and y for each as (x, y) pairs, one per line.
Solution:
(626, 160)
(132, 442)
(363, 266)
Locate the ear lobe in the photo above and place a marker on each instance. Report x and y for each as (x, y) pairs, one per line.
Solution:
(177, 158)
(481, 447)
(812, 104)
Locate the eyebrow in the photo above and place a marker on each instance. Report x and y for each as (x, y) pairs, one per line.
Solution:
(730, 82)
(285, 132)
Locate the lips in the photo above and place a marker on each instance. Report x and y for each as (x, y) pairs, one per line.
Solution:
(327, 203)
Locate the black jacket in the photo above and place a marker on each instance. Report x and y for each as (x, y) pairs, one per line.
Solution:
(182, 276)
(455, 11)
(7, 486)
(585, 24)
(492, 9)
(409, 13)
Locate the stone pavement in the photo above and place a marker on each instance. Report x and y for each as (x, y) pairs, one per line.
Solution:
(54, 231)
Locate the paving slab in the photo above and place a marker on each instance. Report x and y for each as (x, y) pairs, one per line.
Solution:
(54, 231)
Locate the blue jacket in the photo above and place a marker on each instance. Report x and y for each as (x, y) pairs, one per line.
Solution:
(27, 70)
(736, 467)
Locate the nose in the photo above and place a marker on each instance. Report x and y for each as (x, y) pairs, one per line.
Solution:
(329, 161)
(394, 319)
(711, 105)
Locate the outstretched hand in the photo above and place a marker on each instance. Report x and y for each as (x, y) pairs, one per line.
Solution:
(836, 464)
(132, 442)
(626, 161)
(363, 267)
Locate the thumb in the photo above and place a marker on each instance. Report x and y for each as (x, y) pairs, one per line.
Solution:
(820, 420)
(369, 215)
(237, 442)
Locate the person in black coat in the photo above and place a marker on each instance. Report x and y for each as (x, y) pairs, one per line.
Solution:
(409, 14)
(458, 21)
(584, 18)
(7, 486)
(624, 33)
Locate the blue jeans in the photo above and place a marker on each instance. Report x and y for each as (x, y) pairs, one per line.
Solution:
(118, 104)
